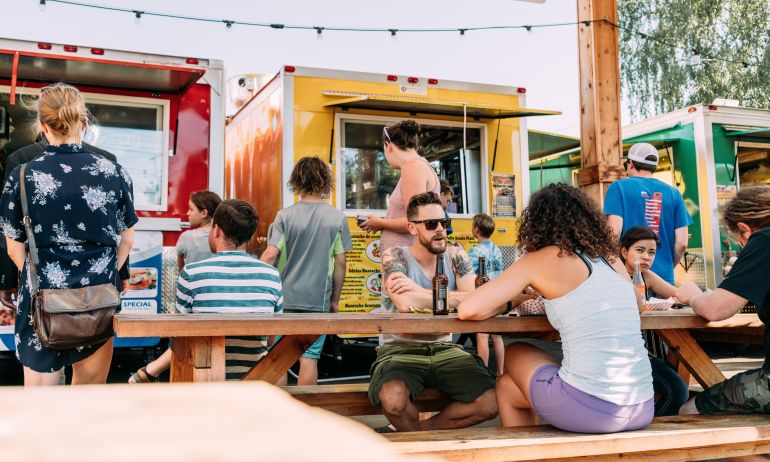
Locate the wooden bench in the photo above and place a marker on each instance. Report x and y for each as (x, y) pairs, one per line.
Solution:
(667, 439)
(351, 399)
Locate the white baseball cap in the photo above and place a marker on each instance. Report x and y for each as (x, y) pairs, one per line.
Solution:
(640, 153)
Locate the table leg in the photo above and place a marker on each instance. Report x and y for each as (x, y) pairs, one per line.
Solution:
(281, 357)
(198, 359)
(692, 356)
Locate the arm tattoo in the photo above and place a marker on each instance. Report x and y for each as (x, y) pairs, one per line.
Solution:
(393, 261)
(460, 262)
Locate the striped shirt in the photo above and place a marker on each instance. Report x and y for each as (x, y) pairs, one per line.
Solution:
(228, 283)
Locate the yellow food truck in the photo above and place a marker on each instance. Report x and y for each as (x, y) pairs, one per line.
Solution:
(474, 136)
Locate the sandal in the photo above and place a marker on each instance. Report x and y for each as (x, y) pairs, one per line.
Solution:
(142, 376)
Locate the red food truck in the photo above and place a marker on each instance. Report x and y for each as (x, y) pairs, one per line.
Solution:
(162, 116)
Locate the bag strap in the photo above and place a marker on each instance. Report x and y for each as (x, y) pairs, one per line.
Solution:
(33, 256)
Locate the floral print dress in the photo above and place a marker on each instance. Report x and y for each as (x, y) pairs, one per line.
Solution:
(79, 202)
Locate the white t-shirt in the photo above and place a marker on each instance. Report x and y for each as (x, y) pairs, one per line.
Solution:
(193, 245)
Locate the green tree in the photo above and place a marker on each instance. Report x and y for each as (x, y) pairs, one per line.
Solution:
(658, 39)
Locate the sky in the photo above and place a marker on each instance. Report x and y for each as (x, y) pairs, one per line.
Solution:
(544, 61)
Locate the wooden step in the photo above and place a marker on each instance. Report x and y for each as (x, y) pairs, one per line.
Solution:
(676, 438)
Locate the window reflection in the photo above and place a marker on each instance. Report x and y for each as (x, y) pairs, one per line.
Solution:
(369, 179)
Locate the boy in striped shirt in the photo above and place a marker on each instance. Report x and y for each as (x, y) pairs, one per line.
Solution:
(231, 282)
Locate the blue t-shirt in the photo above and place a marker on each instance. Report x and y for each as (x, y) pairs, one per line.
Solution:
(493, 258)
(652, 203)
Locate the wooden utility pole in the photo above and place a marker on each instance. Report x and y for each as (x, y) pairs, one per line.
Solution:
(600, 137)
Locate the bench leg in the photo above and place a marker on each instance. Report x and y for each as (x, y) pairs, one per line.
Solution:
(281, 357)
(198, 359)
(692, 356)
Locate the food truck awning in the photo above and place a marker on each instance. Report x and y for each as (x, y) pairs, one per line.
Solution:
(39, 67)
(659, 138)
(434, 106)
(754, 134)
(542, 144)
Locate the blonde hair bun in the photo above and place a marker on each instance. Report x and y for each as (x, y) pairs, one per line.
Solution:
(62, 108)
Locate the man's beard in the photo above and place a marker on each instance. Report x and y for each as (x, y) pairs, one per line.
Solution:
(434, 246)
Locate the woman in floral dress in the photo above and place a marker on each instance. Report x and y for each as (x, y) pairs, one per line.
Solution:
(82, 216)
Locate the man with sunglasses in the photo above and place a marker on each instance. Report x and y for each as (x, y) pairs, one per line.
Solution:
(407, 363)
(641, 200)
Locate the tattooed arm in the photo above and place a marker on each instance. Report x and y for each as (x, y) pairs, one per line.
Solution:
(402, 291)
(463, 269)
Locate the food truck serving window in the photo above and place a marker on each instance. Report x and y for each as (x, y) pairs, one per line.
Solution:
(134, 129)
(369, 180)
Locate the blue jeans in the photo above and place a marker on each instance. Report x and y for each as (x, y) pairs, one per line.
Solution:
(671, 392)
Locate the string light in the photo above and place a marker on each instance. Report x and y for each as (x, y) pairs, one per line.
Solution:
(696, 58)
(137, 17)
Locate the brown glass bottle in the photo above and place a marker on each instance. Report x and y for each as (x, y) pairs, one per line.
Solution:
(482, 278)
(440, 282)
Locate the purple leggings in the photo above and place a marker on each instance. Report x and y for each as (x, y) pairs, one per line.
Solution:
(565, 407)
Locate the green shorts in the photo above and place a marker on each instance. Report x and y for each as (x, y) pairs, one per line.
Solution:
(747, 392)
(460, 375)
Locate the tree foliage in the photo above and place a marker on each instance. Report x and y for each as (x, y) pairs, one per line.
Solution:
(658, 74)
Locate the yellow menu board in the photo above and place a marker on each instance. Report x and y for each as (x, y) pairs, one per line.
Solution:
(363, 278)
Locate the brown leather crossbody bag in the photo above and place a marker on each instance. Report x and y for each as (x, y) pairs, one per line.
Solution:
(67, 318)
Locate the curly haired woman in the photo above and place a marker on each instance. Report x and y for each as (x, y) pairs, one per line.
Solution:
(604, 383)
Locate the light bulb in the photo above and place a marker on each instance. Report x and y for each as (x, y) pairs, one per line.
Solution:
(41, 5)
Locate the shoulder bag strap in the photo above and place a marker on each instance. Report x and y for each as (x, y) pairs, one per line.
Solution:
(33, 256)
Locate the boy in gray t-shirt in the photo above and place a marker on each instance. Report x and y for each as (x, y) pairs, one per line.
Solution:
(307, 243)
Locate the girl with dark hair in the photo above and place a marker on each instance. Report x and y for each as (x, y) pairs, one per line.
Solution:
(640, 244)
(191, 247)
(401, 141)
(603, 384)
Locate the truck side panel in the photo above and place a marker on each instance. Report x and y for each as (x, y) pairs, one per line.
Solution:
(253, 152)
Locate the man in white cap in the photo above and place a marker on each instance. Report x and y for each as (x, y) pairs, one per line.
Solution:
(641, 200)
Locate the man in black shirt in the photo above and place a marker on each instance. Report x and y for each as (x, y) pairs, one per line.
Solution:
(748, 217)
(9, 275)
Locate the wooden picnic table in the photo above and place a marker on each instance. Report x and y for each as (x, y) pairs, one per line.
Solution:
(198, 340)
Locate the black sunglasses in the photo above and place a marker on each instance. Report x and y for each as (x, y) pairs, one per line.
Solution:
(433, 223)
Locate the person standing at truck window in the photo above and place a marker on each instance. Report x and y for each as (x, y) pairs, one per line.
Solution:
(401, 141)
(307, 242)
(641, 200)
(9, 275)
(83, 218)
(191, 247)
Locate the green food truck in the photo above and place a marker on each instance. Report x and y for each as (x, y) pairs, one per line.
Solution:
(707, 152)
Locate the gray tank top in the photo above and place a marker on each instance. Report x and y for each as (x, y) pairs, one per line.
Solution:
(414, 272)
(604, 354)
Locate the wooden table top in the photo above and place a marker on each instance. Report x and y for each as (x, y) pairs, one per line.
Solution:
(213, 325)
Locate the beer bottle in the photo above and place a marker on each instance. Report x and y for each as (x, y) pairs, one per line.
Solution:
(440, 282)
(482, 278)
(639, 288)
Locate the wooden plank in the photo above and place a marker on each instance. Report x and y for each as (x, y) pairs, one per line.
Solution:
(202, 325)
(352, 399)
(212, 422)
(281, 357)
(690, 354)
(714, 435)
(600, 135)
(198, 359)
